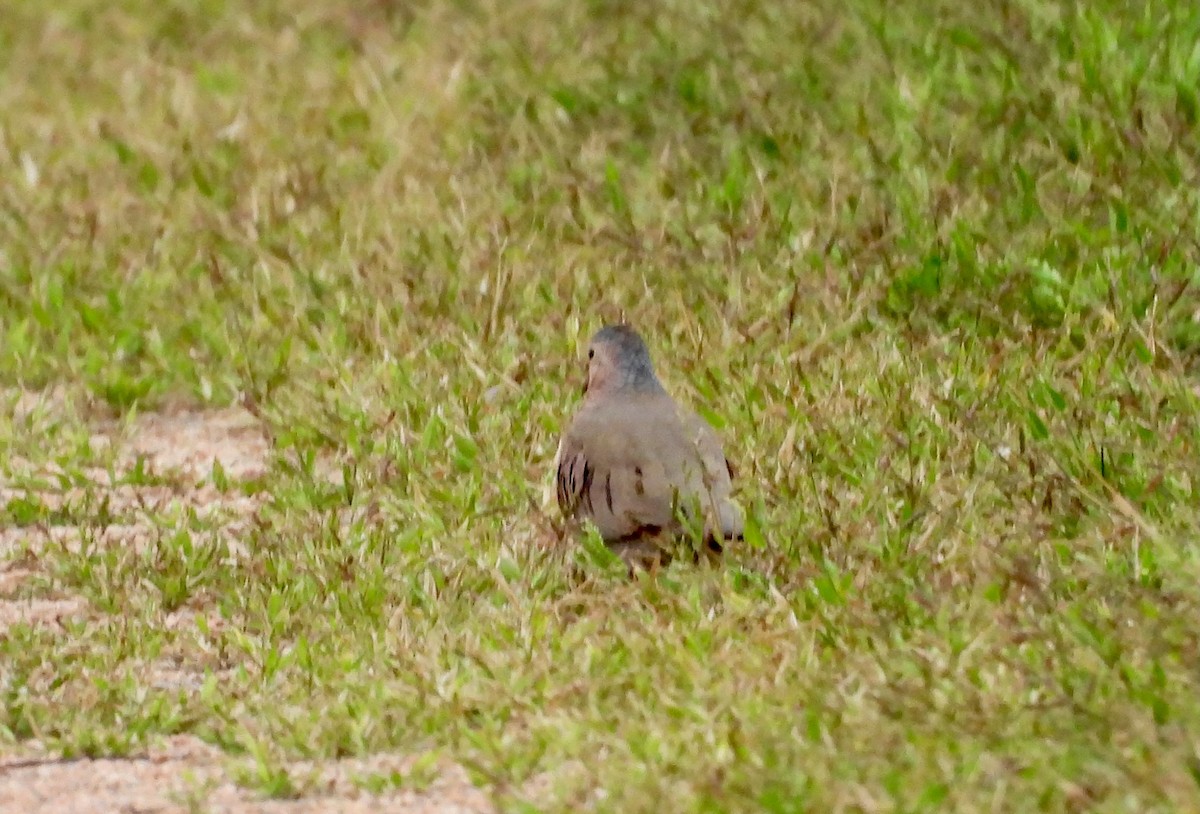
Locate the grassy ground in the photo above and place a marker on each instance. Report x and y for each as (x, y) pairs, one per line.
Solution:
(932, 269)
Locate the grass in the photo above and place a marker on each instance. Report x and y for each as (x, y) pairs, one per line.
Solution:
(934, 270)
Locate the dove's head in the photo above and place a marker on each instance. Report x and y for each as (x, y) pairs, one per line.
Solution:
(618, 361)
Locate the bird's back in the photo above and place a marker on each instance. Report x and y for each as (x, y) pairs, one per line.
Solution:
(628, 463)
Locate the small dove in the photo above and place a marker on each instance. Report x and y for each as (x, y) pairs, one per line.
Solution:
(644, 470)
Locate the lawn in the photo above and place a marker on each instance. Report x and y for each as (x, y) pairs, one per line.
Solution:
(932, 269)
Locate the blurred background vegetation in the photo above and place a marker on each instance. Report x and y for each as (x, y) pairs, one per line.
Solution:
(931, 267)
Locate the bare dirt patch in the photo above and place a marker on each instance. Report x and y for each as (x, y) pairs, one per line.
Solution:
(190, 442)
(184, 774)
(184, 445)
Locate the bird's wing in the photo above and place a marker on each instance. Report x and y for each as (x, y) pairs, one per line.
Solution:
(610, 471)
(717, 473)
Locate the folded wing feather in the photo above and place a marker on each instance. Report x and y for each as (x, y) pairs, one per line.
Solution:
(627, 466)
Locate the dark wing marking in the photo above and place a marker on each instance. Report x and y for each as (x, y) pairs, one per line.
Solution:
(574, 490)
(585, 487)
(561, 491)
(568, 498)
(558, 485)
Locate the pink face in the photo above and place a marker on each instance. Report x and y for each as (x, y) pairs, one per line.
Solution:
(601, 367)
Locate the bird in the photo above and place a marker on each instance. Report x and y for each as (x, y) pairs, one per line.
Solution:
(645, 471)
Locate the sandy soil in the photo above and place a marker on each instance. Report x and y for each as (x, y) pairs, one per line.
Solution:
(182, 773)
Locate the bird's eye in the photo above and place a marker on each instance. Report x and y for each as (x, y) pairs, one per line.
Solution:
(591, 354)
